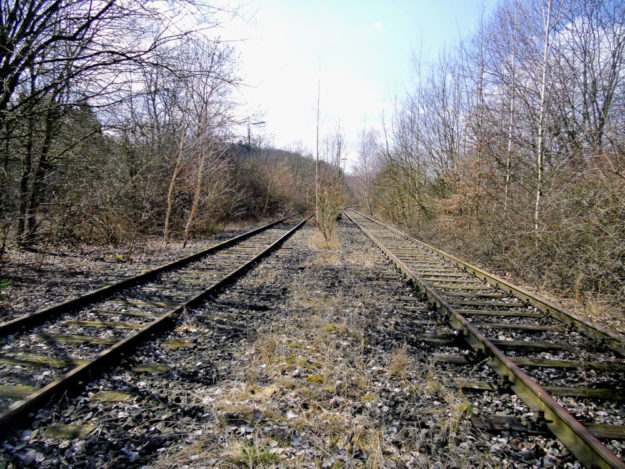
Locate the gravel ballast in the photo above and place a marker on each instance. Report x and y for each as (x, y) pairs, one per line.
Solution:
(311, 360)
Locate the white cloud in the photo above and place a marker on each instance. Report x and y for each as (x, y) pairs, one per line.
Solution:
(377, 26)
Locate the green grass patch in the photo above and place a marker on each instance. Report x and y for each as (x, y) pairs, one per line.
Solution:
(317, 379)
(5, 283)
(251, 455)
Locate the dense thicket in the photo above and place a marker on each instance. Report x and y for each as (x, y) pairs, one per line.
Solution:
(511, 149)
(116, 121)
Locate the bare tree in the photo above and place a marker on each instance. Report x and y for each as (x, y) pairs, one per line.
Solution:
(331, 182)
(509, 137)
(54, 57)
(366, 165)
(526, 118)
(170, 190)
(540, 138)
(318, 123)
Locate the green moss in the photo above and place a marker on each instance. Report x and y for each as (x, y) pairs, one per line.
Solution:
(150, 368)
(17, 391)
(69, 432)
(311, 366)
(318, 379)
(368, 398)
(111, 396)
(177, 344)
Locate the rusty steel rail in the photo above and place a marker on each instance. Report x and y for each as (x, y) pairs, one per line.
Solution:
(18, 413)
(33, 319)
(586, 447)
(603, 335)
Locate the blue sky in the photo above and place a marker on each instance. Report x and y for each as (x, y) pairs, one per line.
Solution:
(361, 51)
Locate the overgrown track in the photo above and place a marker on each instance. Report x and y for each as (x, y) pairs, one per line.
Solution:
(565, 369)
(77, 339)
(30, 320)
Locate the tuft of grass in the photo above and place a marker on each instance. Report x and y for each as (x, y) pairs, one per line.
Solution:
(259, 393)
(5, 283)
(341, 329)
(316, 241)
(327, 252)
(374, 449)
(267, 347)
(399, 362)
(250, 455)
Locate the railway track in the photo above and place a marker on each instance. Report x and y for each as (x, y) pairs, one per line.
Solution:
(50, 352)
(570, 373)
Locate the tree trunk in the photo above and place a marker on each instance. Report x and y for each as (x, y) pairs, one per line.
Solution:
(170, 191)
(43, 167)
(510, 118)
(196, 199)
(266, 204)
(317, 157)
(27, 168)
(540, 145)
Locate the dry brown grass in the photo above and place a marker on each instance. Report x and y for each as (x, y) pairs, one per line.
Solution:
(266, 346)
(602, 310)
(310, 376)
(364, 258)
(317, 242)
(399, 362)
(237, 225)
(598, 309)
